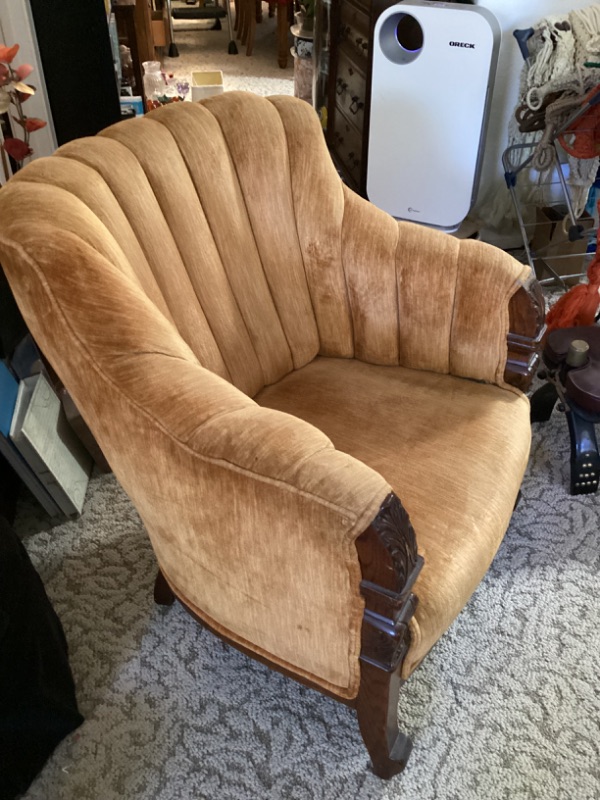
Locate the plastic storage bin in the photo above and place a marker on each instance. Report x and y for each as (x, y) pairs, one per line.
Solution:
(205, 84)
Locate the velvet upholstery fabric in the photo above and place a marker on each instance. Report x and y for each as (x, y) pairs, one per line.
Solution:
(458, 498)
(177, 266)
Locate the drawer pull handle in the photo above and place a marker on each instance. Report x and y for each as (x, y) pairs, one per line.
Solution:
(356, 105)
(341, 86)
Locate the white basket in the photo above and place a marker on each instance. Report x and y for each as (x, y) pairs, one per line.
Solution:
(205, 84)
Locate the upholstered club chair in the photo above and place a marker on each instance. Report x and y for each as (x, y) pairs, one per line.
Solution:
(316, 409)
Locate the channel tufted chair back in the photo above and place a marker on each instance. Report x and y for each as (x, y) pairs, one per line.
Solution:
(280, 376)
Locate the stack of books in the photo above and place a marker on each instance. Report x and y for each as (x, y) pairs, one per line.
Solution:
(40, 445)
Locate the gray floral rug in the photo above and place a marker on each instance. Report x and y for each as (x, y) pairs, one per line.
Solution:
(506, 706)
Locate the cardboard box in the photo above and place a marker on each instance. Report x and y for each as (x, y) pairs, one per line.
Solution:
(205, 84)
(551, 245)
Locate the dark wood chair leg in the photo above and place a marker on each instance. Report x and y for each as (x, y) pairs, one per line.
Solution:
(377, 710)
(518, 500)
(251, 32)
(282, 34)
(163, 594)
(390, 564)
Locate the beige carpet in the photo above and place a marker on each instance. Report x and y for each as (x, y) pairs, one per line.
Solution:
(201, 49)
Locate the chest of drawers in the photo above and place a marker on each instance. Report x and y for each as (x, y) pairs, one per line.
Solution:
(343, 71)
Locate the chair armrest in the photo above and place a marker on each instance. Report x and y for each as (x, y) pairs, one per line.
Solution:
(426, 300)
(527, 328)
(122, 359)
(252, 513)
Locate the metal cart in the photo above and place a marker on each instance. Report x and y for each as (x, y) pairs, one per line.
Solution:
(557, 242)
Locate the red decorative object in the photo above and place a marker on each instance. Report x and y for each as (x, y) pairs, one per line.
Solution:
(582, 140)
(8, 53)
(579, 305)
(17, 149)
(13, 93)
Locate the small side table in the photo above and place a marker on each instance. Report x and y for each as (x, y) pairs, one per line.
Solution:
(572, 377)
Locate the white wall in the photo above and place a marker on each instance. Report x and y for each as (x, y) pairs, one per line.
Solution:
(512, 15)
(16, 28)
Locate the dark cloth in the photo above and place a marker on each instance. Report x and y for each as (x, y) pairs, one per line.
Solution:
(12, 325)
(38, 707)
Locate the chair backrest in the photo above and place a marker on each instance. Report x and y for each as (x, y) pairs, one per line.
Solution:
(228, 220)
(201, 207)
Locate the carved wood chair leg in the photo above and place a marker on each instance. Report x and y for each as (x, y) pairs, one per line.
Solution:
(377, 709)
(251, 33)
(390, 564)
(242, 31)
(518, 500)
(163, 594)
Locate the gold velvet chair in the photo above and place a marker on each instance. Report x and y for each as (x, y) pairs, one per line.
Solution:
(281, 375)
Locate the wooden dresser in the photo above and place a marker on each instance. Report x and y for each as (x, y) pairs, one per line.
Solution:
(346, 32)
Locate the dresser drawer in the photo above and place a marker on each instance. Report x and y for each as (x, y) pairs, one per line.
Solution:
(347, 145)
(354, 25)
(354, 29)
(350, 87)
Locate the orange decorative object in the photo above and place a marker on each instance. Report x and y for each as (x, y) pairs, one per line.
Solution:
(582, 140)
(579, 305)
(34, 124)
(8, 53)
(13, 93)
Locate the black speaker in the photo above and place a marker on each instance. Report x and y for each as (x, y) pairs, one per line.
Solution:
(77, 61)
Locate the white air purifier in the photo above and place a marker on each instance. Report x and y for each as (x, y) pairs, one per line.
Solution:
(432, 78)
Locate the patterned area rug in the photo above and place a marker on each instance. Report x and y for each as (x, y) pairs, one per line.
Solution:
(506, 705)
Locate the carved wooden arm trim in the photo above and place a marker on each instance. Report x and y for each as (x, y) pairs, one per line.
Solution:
(387, 551)
(526, 312)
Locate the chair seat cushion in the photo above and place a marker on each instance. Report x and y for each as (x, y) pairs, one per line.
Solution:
(453, 450)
